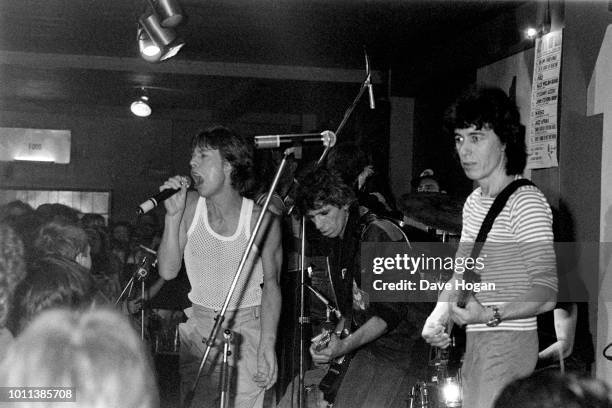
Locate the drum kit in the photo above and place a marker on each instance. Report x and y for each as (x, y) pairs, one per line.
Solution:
(437, 212)
(440, 214)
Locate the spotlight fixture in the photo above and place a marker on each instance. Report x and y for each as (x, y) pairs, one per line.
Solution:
(149, 51)
(165, 38)
(170, 12)
(141, 107)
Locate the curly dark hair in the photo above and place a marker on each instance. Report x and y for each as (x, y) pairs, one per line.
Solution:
(320, 187)
(491, 108)
(12, 268)
(237, 150)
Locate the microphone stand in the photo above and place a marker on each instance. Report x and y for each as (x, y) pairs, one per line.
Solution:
(351, 108)
(225, 370)
(303, 319)
(221, 315)
(141, 273)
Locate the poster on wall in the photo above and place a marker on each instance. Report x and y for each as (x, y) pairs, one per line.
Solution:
(542, 132)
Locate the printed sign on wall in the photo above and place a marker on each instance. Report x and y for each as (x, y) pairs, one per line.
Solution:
(542, 132)
(43, 145)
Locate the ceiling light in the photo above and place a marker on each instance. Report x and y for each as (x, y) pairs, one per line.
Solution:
(141, 107)
(170, 12)
(531, 33)
(543, 28)
(165, 38)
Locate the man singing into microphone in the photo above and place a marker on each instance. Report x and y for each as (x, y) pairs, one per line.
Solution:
(210, 230)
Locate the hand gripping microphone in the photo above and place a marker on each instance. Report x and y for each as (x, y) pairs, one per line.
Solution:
(328, 138)
(159, 198)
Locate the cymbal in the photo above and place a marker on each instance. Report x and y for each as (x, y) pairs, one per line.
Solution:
(436, 210)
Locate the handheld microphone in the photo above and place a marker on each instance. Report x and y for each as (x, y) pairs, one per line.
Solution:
(328, 138)
(159, 198)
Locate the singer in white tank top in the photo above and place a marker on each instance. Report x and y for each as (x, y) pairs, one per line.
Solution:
(211, 276)
(210, 230)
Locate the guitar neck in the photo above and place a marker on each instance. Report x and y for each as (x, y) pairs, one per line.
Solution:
(462, 297)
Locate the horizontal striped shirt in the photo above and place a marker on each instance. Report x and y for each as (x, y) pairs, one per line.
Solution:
(518, 252)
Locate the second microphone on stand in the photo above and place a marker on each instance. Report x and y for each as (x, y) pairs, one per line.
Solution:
(327, 138)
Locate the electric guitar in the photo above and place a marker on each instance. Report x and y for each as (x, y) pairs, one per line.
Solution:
(330, 383)
(449, 358)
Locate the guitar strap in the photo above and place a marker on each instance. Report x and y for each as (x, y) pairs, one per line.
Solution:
(496, 208)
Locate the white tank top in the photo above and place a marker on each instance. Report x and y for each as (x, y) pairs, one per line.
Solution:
(212, 261)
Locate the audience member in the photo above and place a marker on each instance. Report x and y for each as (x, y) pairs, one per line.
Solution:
(146, 232)
(121, 236)
(12, 271)
(106, 268)
(66, 240)
(427, 182)
(554, 390)
(52, 281)
(58, 212)
(26, 226)
(91, 220)
(15, 208)
(96, 352)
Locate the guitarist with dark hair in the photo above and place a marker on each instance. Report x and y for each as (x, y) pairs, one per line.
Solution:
(387, 353)
(507, 222)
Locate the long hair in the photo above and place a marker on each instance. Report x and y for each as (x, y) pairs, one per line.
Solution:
(235, 149)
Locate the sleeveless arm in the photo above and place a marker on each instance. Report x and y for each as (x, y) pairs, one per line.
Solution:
(271, 257)
(174, 239)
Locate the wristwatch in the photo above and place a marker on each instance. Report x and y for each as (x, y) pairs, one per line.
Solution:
(496, 320)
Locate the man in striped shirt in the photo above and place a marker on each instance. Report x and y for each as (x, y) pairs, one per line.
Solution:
(518, 254)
